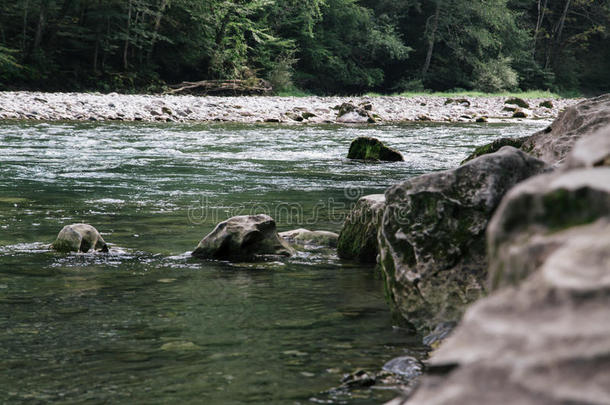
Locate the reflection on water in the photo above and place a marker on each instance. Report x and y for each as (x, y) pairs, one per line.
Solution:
(149, 324)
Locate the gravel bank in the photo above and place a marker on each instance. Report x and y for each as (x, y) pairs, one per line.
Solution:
(121, 107)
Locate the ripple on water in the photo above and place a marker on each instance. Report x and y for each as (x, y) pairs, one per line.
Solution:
(149, 323)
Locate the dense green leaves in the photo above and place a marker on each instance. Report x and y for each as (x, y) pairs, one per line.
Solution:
(324, 46)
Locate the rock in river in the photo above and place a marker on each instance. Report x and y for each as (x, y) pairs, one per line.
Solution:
(243, 238)
(553, 143)
(79, 238)
(365, 148)
(358, 237)
(432, 237)
(543, 338)
(306, 237)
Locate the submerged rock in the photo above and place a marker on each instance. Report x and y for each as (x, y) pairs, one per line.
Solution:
(79, 238)
(245, 237)
(358, 237)
(432, 245)
(365, 148)
(404, 366)
(306, 237)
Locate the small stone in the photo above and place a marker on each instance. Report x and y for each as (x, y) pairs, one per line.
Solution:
(546, 104)
(520, 113)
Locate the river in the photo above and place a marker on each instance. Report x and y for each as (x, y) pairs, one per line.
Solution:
(149, 324)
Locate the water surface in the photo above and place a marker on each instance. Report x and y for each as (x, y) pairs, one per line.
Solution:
(149, 324)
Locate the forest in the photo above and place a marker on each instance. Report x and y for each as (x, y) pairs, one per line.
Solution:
(311, 46)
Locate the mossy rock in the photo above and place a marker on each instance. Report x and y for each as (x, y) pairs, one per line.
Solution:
(432, 237)
(365, 148)
(546, 104)
(79, 238)
(518, 102)
(358, 238)
(243, 238)
(494, 147)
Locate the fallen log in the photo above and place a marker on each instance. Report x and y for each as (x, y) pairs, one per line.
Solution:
(222, 87)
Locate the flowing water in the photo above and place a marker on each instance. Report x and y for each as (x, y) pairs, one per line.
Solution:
(149, 324)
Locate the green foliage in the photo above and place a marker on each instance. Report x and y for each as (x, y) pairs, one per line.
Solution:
(494, 76)
(325, 46)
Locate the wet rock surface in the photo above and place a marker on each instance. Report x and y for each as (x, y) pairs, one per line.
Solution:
(79, 238)
(544, 342)
(358, 237)
(291, 110)
(365, 148)
(542, 336)
(243, 238)
(432, 238)
(305, 237)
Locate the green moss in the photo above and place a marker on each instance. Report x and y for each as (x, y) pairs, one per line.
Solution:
(365, 148)
(63, 246)
(495, 146)
(568, 208)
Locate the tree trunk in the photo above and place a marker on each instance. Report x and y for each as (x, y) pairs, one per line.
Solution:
(431, 39)
(42, 18)
(539, 21)
(556, 42)
(126, 46)
(25, 25)
(162, 6)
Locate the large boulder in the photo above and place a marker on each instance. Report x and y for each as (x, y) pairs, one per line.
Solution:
(358, 237)
(432, 237)
(525, 229)
(553, 143)
(592, 151)
(365, 148)
(79, 238)
(494, 147)
(578, 121)
(545, 341)
(243, 238)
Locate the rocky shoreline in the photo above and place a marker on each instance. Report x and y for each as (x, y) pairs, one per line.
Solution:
(254, 109)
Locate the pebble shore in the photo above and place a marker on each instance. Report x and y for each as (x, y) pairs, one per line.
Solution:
(294, 110)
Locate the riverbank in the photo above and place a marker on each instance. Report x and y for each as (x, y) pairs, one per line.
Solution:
(293, 110)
